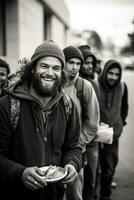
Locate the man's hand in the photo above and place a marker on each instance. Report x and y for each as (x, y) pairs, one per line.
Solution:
(31, 177)
(72, 174)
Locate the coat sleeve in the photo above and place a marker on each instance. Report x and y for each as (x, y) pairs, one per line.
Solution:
(91, 117)
(72, 152)
(124, 105)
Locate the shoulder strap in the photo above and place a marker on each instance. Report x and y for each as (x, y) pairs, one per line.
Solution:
(68, 105)
(15, 112)
(122, 87)
(80, 88)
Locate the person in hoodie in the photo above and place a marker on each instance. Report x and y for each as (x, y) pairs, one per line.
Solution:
(88, 110)
(113, 101)
(87, 71)
(43, 136)
(4, 72)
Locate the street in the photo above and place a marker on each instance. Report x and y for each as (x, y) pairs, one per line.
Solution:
(125, 171)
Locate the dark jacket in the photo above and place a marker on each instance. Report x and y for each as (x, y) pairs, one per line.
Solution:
(113, 101)
(37, 141)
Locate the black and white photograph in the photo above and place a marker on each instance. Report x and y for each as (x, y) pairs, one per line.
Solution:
(66, 99)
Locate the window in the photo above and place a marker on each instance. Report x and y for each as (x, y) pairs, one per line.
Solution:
(47, 24)
(2, 28)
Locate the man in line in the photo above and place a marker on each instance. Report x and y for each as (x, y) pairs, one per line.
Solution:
(87, 71)
(88, 108)
(44, 135)
(4, 72)
(113, 101)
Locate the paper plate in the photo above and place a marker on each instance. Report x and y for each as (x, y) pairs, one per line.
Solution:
(61, 173)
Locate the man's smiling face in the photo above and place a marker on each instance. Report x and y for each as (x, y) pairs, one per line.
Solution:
(47, 76)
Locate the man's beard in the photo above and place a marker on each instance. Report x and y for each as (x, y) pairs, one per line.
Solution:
(111, 83)
(45, 90)
(86, 72)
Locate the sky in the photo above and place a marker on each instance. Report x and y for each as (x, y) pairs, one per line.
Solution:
(112, 19)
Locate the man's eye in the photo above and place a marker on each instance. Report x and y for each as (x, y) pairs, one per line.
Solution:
(57, 68)
(70, 62)
(44, 66)
(2, 74)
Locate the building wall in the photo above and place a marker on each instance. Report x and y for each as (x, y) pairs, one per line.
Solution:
(31, 28)
(12, 32)
(58, 32)
(26, 28)
(59, 9)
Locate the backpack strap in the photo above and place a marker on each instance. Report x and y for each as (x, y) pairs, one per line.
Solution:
(122, 87)
(15, 112)
(80, 89)
(68, 105)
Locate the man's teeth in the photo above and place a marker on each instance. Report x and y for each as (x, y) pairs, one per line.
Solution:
(48, 79)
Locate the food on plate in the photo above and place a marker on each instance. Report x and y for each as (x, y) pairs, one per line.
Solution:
(53, 172)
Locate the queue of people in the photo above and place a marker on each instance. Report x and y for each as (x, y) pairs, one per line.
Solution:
(58, 107)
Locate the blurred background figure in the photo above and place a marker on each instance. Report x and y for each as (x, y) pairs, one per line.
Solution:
(98, 67)
(87, 71)
(4, 71)
(113, 100)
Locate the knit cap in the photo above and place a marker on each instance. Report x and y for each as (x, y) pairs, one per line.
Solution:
(48, 48)
(72, 52)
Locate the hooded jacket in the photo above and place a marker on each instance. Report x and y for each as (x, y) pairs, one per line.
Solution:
(43, 136)
(86, 52)
(90, 120)
(111, 99)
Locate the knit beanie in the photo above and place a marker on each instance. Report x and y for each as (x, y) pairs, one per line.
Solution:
(48, 48)
(72, 52)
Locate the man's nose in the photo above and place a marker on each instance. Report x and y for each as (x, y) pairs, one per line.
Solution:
(74, 66)
(50, 71)
(114, 77)
(1, 78)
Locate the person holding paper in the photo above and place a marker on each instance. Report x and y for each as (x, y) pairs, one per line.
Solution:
(113, 100)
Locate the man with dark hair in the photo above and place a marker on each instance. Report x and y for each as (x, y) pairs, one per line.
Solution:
(82, 92)
(46, 134)
(113, 100)
(4, 71)
(87, 71)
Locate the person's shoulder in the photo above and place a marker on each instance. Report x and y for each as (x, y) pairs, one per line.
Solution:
(124, 83)
(88, 85)
(124, 87)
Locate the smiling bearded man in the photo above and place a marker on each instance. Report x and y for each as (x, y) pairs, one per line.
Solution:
(44, 136)
(47, 78)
